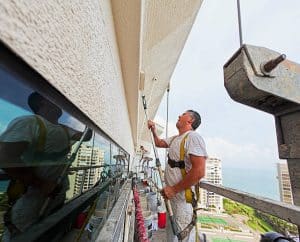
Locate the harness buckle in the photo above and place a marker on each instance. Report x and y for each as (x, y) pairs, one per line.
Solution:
(179, 164)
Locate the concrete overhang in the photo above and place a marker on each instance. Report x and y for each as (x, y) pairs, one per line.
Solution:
(127, 19)
(151, 36)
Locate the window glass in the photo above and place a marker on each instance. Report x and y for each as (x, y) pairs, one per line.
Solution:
(38, 143)
(102, 145)
(82, 175)
(46, 154)
(115, 151)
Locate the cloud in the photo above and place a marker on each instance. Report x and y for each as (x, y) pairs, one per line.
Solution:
(232, 154)
(74, 123)
(243, 155)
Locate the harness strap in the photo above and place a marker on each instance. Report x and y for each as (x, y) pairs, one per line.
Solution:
(186, 231)
(189, 195)
(42, 135)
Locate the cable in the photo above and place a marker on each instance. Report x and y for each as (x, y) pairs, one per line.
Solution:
(240, 22)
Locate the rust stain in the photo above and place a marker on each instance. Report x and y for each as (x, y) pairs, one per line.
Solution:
(292, 66)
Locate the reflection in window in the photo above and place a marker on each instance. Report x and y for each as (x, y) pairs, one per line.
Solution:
(44, 153)
(90, 158)
(37, 144)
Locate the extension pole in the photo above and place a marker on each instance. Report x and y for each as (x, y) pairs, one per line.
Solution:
(158, 165)
(167, 119)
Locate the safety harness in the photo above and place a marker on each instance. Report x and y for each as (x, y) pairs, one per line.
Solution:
(189, 194)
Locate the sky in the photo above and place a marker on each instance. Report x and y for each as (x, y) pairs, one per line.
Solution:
(242, 137)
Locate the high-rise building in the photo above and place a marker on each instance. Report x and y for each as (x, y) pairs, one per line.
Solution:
(213, 174)
(285, 189)
(86, 156)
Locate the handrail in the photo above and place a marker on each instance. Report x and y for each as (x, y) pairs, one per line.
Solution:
(79, 168)
(290, 213)
(113, 228)
(5, 177)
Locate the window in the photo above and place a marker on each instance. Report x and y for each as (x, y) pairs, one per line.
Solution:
(46, 147)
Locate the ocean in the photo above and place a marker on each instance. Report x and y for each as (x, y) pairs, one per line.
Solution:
(261, 182)
(3, 186)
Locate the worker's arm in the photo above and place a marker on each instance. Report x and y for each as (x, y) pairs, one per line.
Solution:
(77, 134)
(158, 142)
(192, 177)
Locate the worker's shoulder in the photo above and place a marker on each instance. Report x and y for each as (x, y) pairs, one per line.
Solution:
(194, 135)
(24, 119)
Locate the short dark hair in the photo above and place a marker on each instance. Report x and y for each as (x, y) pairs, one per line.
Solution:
(196, 117)
(34, 101)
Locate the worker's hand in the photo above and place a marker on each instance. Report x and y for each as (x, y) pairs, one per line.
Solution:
(151, 125)
(168, 192)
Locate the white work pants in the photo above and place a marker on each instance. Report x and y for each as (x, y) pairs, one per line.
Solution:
(183, 213)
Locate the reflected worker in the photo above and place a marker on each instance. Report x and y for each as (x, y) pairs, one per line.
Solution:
(33, 152)
(193, 162)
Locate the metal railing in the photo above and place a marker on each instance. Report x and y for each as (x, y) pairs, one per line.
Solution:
(113, 229)
(70, 210)
(287, 212)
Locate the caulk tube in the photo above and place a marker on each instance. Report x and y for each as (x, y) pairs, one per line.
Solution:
(174, 225)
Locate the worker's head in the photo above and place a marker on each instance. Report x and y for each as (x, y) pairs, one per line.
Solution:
(42, 106)
(196, 119)
(189, 119)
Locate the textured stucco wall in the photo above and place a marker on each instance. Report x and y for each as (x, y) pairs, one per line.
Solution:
(73, 45)
(165, 29)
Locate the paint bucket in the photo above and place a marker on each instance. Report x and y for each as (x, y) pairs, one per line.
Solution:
(80, 220)
(147, 189)
(148, 222)
(152, 201)
(94, 222)
(145, 182)
(154, 222)
(162, 219)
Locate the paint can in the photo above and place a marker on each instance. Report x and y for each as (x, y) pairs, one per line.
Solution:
(148, 222)
(162, 219)
(152, 201)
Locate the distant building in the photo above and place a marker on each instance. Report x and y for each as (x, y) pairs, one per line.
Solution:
(213, 174)
(86, 156)
(284, 183)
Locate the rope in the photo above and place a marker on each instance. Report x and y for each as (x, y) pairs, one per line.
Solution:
(240, 22)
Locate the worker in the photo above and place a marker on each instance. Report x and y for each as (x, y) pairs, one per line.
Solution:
(193, 164)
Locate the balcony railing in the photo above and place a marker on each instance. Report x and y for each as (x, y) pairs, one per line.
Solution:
(287, 212)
